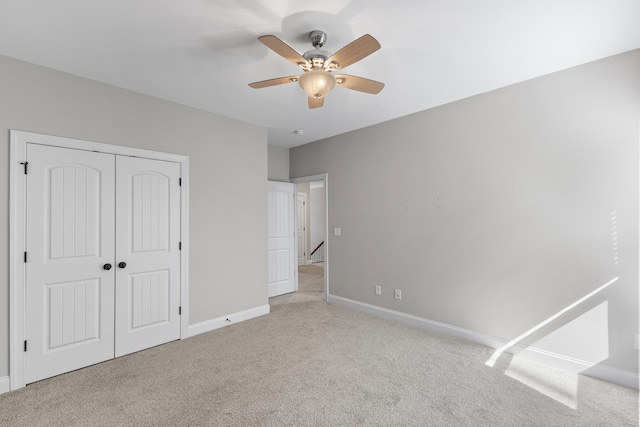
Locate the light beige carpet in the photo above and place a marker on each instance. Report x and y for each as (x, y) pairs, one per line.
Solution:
(309, 364)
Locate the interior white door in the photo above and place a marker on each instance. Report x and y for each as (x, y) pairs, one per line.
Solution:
(301, 228)
(69, 293)
(281, 238)
(148, 253)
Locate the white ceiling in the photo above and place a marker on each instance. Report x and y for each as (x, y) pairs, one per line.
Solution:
(203, 53)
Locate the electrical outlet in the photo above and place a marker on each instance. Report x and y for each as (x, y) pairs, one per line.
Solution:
(378, 290)
(398, 294)
(337, 231)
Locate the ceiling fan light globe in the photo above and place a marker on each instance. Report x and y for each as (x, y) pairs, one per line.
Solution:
(317, 83)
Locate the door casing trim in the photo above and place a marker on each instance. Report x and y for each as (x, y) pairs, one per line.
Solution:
(18, 141)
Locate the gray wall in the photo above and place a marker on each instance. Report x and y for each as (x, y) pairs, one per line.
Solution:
(278, 163)
(493, 213)
(228, 170)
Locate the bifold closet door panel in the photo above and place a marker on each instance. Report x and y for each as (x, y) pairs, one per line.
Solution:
(70, 237)
(148, 253)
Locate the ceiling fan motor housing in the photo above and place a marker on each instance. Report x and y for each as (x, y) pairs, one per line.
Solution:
(318, 38)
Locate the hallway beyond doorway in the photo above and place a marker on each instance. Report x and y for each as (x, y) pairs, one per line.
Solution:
(310, 286)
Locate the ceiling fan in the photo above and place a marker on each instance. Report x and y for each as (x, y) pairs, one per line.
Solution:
(317, 79)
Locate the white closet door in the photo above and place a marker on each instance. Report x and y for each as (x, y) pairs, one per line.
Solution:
(281, 238)
(70, 239)
(148, 227)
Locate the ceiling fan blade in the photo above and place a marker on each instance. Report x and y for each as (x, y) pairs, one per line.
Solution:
(316, 102)
(284, 50)
(353, 52)
(273, 82)
(359, 83)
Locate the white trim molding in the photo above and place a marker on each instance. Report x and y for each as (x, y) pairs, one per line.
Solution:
(17, 211)
(570, 364)
(614, 375)
(5, 385)
(230, 319)
(419, 322)
(602, 372)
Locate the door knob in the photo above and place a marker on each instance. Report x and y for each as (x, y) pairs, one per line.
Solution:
(107, 266)
(122, 264)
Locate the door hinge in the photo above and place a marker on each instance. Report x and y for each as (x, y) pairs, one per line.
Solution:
(25, 345)
(25, 166)
(180, 311)
(180, 182)
(25, 257)
(179, 246)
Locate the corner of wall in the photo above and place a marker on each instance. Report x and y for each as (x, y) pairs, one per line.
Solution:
(278, 163)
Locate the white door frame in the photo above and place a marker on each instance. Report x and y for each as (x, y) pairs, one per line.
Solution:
(324, 177)
(17, 232)
(304, 229)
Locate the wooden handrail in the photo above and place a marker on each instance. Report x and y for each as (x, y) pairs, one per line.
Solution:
(317, 247)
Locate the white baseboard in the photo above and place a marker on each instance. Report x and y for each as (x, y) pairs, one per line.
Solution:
(418, 322)
(569, 364)
(606, 373)
(5, 385)
(210, 325)
(614, 375)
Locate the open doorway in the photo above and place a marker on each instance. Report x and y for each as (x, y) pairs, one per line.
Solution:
(310, 237)
(312, 249)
